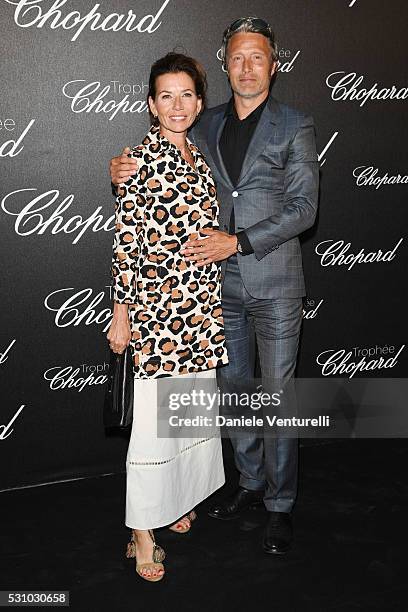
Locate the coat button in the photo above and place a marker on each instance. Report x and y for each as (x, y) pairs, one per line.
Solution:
(235, 194)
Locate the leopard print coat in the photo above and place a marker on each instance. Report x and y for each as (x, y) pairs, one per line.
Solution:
(174, 306)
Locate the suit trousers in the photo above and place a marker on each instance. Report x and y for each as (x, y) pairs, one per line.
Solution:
(264, 462)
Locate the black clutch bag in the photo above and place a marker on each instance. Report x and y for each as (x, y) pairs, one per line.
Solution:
(118, 407)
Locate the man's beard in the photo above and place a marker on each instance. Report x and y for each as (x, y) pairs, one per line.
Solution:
(249, 95)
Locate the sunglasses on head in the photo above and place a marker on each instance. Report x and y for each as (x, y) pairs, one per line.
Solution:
(258, 23)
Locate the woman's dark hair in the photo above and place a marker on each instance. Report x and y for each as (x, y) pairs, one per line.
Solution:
(178, 62)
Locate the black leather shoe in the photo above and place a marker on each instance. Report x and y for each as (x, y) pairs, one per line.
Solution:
(278, 534)
(240, 500)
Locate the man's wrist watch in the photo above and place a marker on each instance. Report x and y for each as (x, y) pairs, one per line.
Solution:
(244, 247)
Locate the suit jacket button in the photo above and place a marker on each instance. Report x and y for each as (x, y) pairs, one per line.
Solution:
(235, 194)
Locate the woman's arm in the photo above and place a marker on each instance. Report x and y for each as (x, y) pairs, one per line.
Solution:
(124, 256)
(125, 248)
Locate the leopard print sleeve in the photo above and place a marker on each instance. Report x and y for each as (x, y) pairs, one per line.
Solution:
(129, 205)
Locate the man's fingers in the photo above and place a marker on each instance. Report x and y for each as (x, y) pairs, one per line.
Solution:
(122, 173)
(126, 167)
(197, 256)
(124, 160)
(195, 244)
(188, 253)
(127, 163)
(126, 150)
(120, 177)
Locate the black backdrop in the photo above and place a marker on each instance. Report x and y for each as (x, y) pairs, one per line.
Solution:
(73, 92)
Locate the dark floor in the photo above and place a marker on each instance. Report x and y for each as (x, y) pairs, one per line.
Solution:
(350, 551)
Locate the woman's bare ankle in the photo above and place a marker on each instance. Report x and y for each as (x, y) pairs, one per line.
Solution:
(141, 534)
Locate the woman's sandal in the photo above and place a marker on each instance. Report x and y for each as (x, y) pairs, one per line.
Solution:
(157, 556)
(191, 516)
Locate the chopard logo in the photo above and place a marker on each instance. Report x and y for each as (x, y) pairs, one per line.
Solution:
(71, 377)
(346, 88)
(367, 176)
(35, 13)
(75, 307)
(31, 220)
(335, 253)
(357, 359)
(286, 59)
(92, 97)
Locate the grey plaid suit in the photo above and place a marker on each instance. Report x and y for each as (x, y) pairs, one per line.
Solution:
(274, 201)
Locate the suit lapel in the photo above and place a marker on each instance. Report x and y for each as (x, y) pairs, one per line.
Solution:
(215, 131)
(264, 132)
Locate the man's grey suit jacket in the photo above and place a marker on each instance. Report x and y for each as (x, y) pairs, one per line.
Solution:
(275, 199)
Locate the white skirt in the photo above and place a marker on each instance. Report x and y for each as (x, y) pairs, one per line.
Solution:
(167, 477)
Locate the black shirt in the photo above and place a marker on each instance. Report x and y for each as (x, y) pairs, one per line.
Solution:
(234, 142)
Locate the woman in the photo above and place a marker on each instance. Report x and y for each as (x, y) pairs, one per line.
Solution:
(167, 308)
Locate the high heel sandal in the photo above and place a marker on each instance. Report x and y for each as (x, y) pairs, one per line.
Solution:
(157, 556)
(191, 516)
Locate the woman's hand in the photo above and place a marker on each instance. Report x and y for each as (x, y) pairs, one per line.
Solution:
(119, 331)
(122, 167)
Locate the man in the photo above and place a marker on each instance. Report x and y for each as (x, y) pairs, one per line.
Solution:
(263, 158)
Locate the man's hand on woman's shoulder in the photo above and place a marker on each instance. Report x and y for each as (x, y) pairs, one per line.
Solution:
(122, 167)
